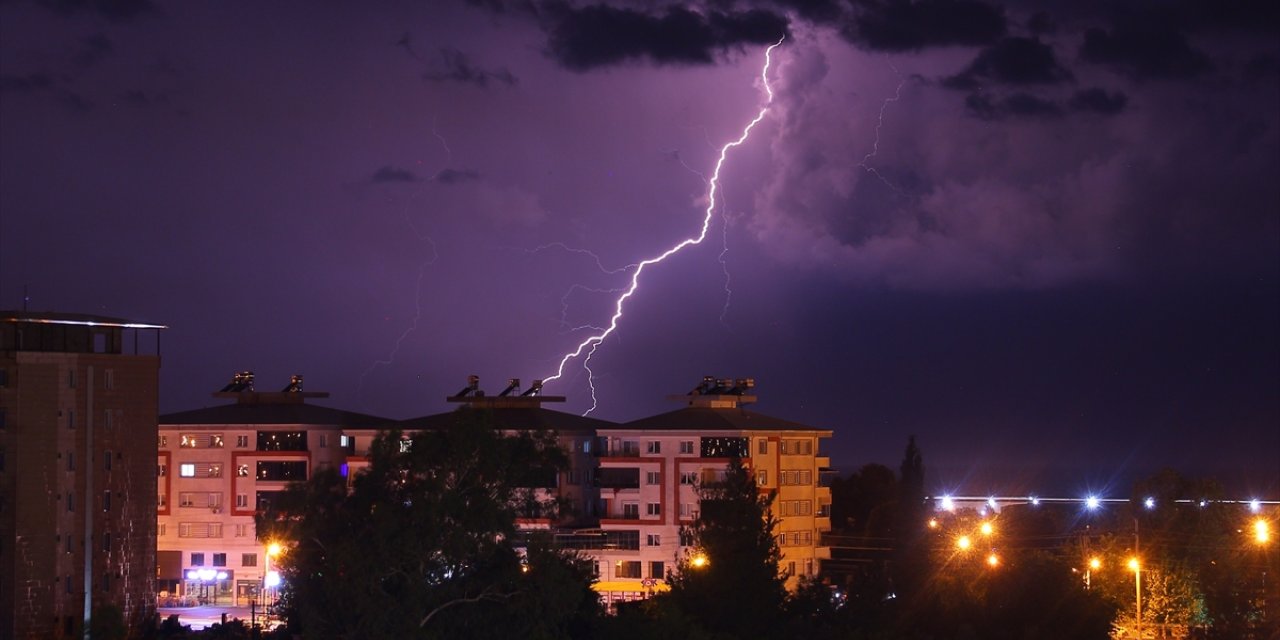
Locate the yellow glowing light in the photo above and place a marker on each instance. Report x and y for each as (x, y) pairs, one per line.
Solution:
(963, 542)
(273, 549)
(933, 523)
(1095, 564)
(1134, 565)
(987, 529)
(700, 561)
(1261, 531)
(993, 560)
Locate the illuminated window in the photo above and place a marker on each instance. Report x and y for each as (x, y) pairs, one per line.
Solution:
(406, 446)
(242, 501)
(689, 477)
(762, 477)
(162, 469)
(763, 446)
(187, 470)
(242, 471)
(627, 569)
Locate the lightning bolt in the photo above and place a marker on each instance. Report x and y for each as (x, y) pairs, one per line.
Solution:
(875, 144)
(724, 243)
(587, 348)
(422, 268)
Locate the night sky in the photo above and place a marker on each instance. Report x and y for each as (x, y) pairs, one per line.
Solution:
(1042, 236)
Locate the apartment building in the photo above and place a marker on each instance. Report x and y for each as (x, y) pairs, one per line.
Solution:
(650, 470)
(78, 403)
(217, 466)
(512, 411)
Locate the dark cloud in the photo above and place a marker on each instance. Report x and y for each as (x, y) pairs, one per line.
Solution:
(1145, 52)
(1099, 100)
(28, 82)
(1016, 61)
(1041, 24)
(457, 67)
(113, 10)
(906, 25)
(92, 50)
(599, 35)
(389, 173)
(820, 11)
(455, 176)
(1017, 105)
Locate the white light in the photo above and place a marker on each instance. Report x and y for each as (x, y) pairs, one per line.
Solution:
(222, 575)
(272, 579)
(1255, 505)
(1092, 502)
(207, 574)
(1203, 503)
(193, 575)
(1149, 503)
(948, 504)
(1035, 501)
(991, 502)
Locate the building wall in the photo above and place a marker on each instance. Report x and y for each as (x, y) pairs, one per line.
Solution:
(669, 469)
(76, 524)
(206, 518)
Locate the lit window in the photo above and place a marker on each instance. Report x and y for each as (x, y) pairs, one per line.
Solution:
(187, 470)
(762, 477)
(242, 471)
(763, 446)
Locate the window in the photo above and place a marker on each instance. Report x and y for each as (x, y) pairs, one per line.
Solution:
(201, 441)
(162, 529)
(164, 441)
(242, 471)
(106, 460)
(725, 447)
(161, 500)
(686, 447)
(653, 540)
(652, 477)
(242, 530)
(653, 509)
(71, 379)
(109, 379)
(324, 440)
(71, 419)
(200, 499)
(654, 446)
(808, 566)
(249, 560)
(796, 507)
(762, 446)
(406, 446)
(762, 477)
(71, 501)
(197, 559)
(106, 500)
(797, 477)
(219, 559)
(797, 447)
(200, 470)
(627, 569)
(242, 442)
(631, 510)
(242, 501)
(71, 461)
(106, 542)
(200, 530)
(162, 470)
(282, 470)
(686, 510)
(282, 441)
(107, 418)
(689, 477)
(686, 537)
(657, 570)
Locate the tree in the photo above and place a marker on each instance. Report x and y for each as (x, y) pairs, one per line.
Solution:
(737, 592)
(422, 544)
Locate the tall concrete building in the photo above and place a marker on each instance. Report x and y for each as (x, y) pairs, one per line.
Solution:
(219, 465)
(78, 405)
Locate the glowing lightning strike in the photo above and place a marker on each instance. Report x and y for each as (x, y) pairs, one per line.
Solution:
(875, 145)
(591, 343)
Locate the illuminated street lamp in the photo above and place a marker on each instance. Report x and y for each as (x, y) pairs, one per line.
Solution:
(963, 543)
(699, 561)
(1136, 567)
(1261, 531)
(993, 560)
(933, 523)
(1095, 563)
(987, 529)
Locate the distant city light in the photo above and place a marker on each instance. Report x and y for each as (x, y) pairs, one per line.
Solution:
(1092, 502)
(948, 504)
(1204, 503)
(1149, 503)
(1035, 501)
(991, 502)
(933, 523)
(1255, 505)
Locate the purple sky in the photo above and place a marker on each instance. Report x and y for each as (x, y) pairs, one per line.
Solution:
(1042, 236)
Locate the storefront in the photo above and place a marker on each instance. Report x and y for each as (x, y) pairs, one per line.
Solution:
(209, 585)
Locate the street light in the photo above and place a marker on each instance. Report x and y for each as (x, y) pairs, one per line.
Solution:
(1136, 567)
(963, 543)
(993, 560)
(1095, 563)
(1261, 531)
(987, 529)
(699, 561)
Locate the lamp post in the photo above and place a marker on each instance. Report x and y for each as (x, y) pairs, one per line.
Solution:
(1136, 566)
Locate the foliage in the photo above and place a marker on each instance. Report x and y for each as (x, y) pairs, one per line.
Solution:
(421, 543)
(107, 623)
(739, 593)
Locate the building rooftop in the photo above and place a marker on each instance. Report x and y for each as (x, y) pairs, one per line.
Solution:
(714, 419)
(81, 319)
(514, 418)
(275, 413)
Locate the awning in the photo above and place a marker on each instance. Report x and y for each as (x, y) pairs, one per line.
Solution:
(613, 586)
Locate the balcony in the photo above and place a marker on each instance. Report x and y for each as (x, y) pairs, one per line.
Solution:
(618, 478)
(822, 462)
(620, 450)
